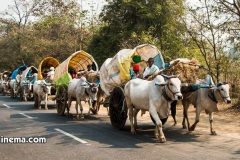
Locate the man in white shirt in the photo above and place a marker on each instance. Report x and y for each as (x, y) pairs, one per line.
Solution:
(151, 69)
(19, 76)
(50, 74)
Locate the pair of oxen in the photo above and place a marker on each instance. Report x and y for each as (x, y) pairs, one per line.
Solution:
(156, 97)
(79, 89)
(23, 87)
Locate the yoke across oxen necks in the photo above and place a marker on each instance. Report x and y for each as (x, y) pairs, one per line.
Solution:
(186, 88)
(93, 84)
(169, 77)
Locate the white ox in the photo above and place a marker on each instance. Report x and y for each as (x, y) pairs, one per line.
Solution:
(41, 90)
(154, 96)
(26, 86)
(81, 90)
(14, 87)
(4, 86)
(205, 98)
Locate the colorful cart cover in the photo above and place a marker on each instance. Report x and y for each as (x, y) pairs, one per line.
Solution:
(5, 74)
(116, 71)
(45, 64)
(29, 73)
(77, 61)
(15, 72)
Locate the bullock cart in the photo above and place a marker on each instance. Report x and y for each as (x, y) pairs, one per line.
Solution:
(115, 73)
(4, 84)
(42, 89)
(29, 75)
(14, 84)
(78, 61)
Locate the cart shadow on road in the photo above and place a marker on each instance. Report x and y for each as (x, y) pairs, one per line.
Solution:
(97, 129)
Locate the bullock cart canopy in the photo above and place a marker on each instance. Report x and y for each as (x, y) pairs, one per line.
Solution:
(15, 72)
(45, 64)
(5, 74)
(77, 61)
(29, 72)
(116, 71)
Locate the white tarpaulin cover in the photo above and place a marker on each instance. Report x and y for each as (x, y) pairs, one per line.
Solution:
(116, 71)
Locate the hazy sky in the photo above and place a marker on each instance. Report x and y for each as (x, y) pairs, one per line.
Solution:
(4, 4)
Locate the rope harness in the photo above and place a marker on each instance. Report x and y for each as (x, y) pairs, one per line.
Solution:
(211, 95)
(164, 93)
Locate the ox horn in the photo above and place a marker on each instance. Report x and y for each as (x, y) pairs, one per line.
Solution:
(178, 75)
(160, 84)
(97, 83)
(165, 76)
(219, 84)
(90, 84)
(174, 76)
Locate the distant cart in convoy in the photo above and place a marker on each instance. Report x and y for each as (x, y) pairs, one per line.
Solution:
(41, 89)
(14, 83)
(4, 82)
(64, 73)
(44, 66)
(29, 75)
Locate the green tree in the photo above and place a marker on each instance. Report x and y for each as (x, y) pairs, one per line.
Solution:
(54, 30)
(128, 23)
(14, 26)
(206, 29)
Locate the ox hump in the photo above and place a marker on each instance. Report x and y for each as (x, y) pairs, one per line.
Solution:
(137, 82)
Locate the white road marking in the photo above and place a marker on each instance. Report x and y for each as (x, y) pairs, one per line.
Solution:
(25, 115)
(70, 135)
(6, 106)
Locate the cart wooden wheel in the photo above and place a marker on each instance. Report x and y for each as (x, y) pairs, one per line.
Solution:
(61, 100)
(163, 120)
(118, 113)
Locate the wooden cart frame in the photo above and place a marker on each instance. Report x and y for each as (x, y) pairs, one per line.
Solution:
(115, 73)
(77, 61)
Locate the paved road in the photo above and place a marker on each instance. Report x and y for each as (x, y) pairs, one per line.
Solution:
(94, 138)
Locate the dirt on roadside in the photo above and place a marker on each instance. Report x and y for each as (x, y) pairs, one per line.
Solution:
(226, 120)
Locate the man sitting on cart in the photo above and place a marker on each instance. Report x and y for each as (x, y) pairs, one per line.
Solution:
(89, 69)
(135, 73)
(50, 75)
(80, 73)
(151, 69)
(18, 78)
